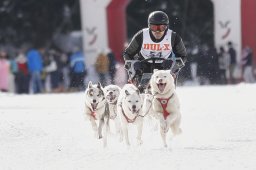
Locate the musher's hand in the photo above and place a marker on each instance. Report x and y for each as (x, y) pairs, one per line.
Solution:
(179, 63)
(127, 66)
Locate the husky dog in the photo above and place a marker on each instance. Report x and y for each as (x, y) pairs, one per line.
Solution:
(111, 93)
(96, 109)
(165, 103)
(129, 107)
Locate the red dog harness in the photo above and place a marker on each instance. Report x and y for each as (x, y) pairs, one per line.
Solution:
(128, 119)
(164, 102)
(93, 114)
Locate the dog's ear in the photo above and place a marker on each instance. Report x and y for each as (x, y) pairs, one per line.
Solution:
(127, 93)
(99, 85)
(90, 84)
(155, 70)
(138, 91)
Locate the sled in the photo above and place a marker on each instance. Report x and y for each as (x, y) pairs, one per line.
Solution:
(141, 79)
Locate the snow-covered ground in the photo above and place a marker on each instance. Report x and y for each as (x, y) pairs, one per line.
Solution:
(49, 132)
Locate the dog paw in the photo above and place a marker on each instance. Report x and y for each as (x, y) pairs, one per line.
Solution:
(177, 131)
(97, 136)
(139, 142)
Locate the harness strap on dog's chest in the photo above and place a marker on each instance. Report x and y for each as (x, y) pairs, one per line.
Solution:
(93, 111)
(93, 114)
(127, 119)
(164, 102)
(113, 116)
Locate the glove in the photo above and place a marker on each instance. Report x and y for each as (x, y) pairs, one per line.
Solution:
(179, 63)
(127, 66)
(167, 64)
(137, 65)
(178, 66)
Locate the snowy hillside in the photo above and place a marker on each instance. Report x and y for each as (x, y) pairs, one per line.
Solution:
(49, 132)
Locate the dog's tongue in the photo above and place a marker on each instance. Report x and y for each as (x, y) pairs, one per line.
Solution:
(161, 86)
(111, 98)
(94, 106)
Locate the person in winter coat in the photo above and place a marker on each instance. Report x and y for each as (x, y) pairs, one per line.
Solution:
(112, 65)
(224, 62)
(22, 77)
(247, 63)
(4, 72)
(78, 70)
(155, 41)
(35, 67)
(102, 67)
(233, 62)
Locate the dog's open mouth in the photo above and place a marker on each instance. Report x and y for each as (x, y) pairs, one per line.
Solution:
(111, 98)
(134, 111)
(161, 86)
(94, 106)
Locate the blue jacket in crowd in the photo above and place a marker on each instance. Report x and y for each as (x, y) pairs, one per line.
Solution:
(35, 62)
(77, 63)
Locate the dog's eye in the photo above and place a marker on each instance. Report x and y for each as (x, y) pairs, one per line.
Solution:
(90, 92)
(100, 93)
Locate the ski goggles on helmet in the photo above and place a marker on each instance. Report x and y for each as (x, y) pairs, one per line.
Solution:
(156, 28)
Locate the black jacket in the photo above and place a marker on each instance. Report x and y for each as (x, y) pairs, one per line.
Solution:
(135, 46)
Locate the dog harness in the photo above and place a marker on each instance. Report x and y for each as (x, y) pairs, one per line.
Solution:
(128, 119)
(93, 114)
(113, 116)
(164, 102)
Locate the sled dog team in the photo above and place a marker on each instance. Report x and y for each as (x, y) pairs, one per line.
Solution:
(127, 106)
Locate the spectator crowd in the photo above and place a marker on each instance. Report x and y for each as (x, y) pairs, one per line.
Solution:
(42, 70)
(38, 70)
(223, 65)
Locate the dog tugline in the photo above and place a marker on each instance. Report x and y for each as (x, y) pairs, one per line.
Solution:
(153, 60)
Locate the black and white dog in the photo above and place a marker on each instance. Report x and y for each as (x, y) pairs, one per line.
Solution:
(97, 110)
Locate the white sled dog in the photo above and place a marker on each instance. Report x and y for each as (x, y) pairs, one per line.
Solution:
(129, 107)
(96, 110)
(111, 93)
(165, 102)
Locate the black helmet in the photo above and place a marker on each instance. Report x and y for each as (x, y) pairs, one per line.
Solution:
(158, 18)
